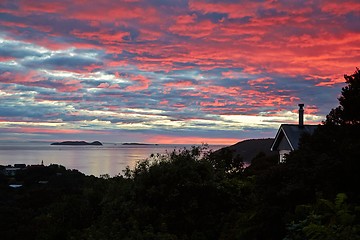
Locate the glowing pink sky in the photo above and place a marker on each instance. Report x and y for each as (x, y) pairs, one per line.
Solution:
(170, 71)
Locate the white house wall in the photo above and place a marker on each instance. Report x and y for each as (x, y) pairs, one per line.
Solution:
(282, 154)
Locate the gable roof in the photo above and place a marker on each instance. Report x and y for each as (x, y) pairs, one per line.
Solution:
(292, 133)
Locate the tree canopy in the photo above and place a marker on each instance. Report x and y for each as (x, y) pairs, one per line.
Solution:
(348, 113)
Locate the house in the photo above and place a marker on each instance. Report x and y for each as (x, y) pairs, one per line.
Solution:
(12, 170)
(288, 136)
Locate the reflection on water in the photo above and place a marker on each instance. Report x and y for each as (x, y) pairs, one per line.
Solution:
(109, 159)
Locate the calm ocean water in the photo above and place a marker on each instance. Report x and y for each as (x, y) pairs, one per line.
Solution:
(109, 159)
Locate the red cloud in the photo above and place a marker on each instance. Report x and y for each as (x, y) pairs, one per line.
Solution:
(341, 7)
(103, 85)
(21, 78)
(113, 108)
(262, 81)
(33, 78)
(107, 85)
(6, 58)
(186, 19)
(178, 105)
(142, 83)
(115, 12)
(187, 26)
(68, 85)
(309, 110)
(102, 36)
(179, 84)
(249, 100)
(42, 6)
(217, 103)
(262, 43)
(164, 102)
(235, 10)
(230, 91)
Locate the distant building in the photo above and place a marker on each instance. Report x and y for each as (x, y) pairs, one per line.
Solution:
(11, 171)
(288, 136)
(20, 165)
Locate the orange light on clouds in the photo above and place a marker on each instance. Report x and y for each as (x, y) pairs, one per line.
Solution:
(164, 139)
(53, 130)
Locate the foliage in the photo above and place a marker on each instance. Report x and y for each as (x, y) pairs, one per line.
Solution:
(260, 163)
(223, 161)
(326, 220)
(180, 195)
(184, 194)
(348, 112)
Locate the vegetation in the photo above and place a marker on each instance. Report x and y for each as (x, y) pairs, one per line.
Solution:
(348, 113)
(198, 194)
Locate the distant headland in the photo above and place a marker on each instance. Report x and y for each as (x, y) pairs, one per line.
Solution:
(139, 144)
(77, 143)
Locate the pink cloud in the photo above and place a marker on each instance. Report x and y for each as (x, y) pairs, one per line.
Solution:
(141, 83)
(42, 6)
(115, 12)
(229, 74)
(40, 130)
(179, 84)
(189, 26)
(230, 91)
(309, 110)
(285, 53)
(103, 85)
(186, 19)
(34, 78)
(164, 102)
(113, 108)
(235, 10)
(341, 7)
(178, 105)
(6, 58)
(90, 68)
(102, 36)
(262, 81)
(68, 85)
(166, 139)
(107, 85)
(217, 103)
(21, 78)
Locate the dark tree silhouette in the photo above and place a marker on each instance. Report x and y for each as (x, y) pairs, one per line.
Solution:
(348, 113)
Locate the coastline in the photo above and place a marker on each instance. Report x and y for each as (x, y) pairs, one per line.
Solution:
(111, 158)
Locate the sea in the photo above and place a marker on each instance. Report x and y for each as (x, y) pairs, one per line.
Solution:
(111, 158)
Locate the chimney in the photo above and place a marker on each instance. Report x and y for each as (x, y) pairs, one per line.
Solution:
(301, 115)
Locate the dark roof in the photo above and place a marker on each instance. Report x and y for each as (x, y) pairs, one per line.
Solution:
(292, 133)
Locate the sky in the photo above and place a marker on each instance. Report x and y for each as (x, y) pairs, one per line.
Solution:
(171, 71)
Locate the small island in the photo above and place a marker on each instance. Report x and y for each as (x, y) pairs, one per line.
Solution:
(140, 144)
(78, 143)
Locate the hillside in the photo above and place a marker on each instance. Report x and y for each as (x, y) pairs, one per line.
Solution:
(248, 149)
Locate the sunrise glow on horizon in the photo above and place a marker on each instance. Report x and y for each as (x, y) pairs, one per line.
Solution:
(180, 71)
